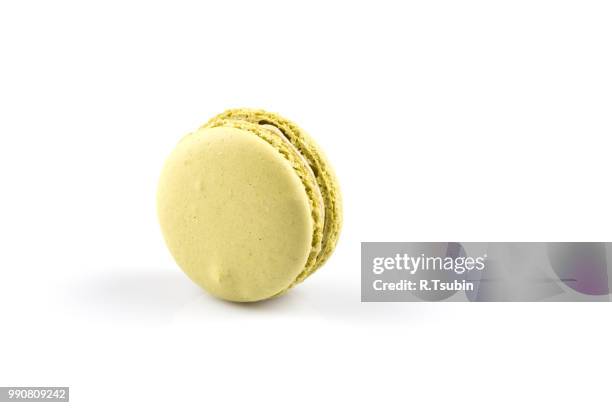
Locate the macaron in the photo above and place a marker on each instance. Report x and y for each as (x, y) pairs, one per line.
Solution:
(248, 205)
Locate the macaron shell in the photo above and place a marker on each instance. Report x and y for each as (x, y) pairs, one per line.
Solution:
(235, 215)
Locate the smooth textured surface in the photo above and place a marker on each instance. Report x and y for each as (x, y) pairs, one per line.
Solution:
(235, 214)
(246, 207)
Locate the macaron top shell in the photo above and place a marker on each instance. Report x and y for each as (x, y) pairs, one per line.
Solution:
(248, 205)
(235, 214)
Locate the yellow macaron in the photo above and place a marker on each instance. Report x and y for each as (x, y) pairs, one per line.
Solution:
(249, 205)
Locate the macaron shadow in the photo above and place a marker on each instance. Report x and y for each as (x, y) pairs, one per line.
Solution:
(149, 295)
(133, 294)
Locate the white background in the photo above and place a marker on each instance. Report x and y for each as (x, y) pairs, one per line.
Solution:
(466, 121)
